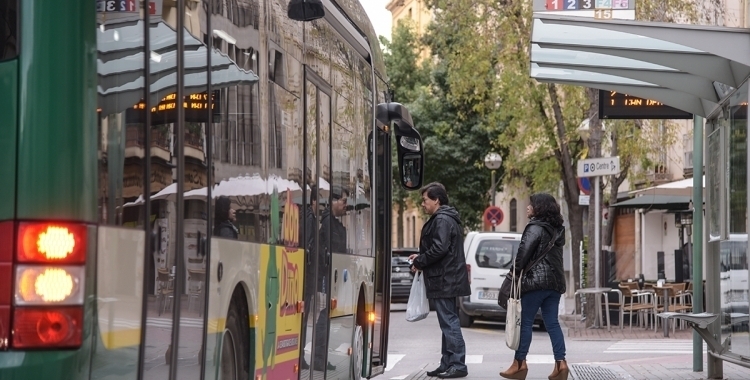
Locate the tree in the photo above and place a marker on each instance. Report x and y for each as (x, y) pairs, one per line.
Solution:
(486, 46)
(406, 77)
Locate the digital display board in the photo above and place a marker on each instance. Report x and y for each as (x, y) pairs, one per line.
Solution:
(616, 105)
(196, 109)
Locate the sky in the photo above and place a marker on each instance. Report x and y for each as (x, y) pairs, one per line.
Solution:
(379, 16)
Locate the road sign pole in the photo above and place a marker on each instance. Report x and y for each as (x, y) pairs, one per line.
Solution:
(597, 230)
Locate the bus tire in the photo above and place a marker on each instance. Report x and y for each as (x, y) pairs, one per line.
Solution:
(233, 355)
(358, 352)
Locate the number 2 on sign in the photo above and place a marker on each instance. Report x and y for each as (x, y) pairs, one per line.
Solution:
(554, 5)
(571, 4)
(605, 14)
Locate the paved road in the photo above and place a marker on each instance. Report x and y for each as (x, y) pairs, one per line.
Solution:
(415, 347)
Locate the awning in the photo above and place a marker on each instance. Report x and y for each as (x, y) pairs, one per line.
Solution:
(682, 187)
(120, 66)
(679, 65)
(657, 202)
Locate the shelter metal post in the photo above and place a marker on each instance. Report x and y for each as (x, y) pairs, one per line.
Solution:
(697, 247)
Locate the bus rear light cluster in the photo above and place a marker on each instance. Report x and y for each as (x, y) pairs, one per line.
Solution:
(59, 327)
(59, 243)
(42, 285)
(43, 306)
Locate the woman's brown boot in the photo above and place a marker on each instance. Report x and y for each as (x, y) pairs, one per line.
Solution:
(517, 370)
(561, 371)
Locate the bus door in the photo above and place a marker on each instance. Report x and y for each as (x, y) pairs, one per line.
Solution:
(176, 121)
(317, 109)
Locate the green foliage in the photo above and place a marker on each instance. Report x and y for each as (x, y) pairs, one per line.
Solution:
(405, 73)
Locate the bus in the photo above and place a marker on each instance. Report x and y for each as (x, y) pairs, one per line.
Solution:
(196, 189)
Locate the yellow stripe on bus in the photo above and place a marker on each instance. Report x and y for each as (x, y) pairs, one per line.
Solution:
(121, 338)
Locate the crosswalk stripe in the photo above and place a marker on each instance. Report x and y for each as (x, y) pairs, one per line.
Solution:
(474, 359)
(392, 360)
(677, 346)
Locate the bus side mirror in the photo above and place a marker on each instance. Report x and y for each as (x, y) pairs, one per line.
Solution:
(305, 10)
(409, 145)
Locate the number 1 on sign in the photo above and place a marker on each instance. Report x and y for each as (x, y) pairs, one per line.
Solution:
(554, 5)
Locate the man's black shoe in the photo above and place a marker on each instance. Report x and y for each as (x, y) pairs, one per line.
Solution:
(435, 371)
(452, 373)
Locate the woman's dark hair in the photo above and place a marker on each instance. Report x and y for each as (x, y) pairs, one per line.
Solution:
(436, 190)
(221, 211)
(546, 209)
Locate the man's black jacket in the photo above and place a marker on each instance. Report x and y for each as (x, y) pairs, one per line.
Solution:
(441, 255)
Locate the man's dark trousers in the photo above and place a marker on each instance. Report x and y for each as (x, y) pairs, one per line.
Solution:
(454, 347)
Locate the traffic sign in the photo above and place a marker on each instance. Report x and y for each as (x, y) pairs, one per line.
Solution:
(584, 185)
(493, 215)
(594, 167)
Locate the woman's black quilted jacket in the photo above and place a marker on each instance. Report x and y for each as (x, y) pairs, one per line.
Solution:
(548, 273)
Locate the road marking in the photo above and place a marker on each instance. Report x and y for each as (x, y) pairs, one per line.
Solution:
(392, 360)
(540, 359)
(474, 359)
(402, 377)
(672, 346)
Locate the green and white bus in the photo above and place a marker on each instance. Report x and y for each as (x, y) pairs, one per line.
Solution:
(196, 189)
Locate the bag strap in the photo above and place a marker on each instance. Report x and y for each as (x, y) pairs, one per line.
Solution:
(546, 249)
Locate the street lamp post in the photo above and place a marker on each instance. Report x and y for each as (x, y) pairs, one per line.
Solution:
(493, 161)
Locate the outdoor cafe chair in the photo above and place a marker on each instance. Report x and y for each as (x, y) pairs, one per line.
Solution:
(634, 302)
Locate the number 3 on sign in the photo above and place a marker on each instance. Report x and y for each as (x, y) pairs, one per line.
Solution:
(605, 14)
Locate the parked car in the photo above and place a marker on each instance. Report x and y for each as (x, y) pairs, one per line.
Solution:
(489, 257)
(401, 276)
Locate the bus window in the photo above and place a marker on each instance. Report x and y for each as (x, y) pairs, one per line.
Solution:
(8, 29)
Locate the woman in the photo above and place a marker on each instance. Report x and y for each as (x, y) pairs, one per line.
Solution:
(542, 284)
(224, 215)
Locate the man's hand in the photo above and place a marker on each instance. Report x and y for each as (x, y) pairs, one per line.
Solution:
(411, 259)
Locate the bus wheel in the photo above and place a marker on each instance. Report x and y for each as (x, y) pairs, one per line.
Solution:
(358, 353)
(232, 357)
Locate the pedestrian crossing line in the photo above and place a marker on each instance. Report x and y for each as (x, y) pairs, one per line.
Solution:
(676, 346)
(474, 359)
(392, 360)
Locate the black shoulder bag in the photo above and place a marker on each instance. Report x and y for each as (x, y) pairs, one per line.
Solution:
(504, 295)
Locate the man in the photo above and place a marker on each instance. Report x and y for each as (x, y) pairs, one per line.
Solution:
(310, 222)
(441, 258)
(336, 242)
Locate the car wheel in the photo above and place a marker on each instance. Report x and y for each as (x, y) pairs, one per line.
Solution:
(542, 327)
(464, 319)
(358, 353)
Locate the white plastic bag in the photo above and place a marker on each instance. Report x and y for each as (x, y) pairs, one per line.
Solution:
(513, 315)
(417, 308)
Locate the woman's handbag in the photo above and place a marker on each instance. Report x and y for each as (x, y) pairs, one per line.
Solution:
(510, 279)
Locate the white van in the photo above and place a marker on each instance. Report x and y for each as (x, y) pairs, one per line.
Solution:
(489, 257)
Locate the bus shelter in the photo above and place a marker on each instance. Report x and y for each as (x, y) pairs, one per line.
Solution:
(703, 70)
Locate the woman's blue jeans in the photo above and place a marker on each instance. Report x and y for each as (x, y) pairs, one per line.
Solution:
(548, 300)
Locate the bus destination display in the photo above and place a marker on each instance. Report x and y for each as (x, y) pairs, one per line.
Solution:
(616, 105)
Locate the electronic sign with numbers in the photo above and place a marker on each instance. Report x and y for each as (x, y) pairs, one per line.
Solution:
(616, 105)
(599, 9)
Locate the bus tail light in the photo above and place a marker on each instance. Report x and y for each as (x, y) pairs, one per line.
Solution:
(47, 243)
(58, 327)
(45, 285)
(46, 262)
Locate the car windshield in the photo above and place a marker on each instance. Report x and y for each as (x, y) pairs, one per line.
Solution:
(496, 253)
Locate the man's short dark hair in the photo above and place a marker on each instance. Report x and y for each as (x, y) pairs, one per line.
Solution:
(436, 190)
(339, 192)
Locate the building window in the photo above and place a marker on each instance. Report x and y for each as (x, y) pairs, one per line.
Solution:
(513, 215)
(410, 14)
